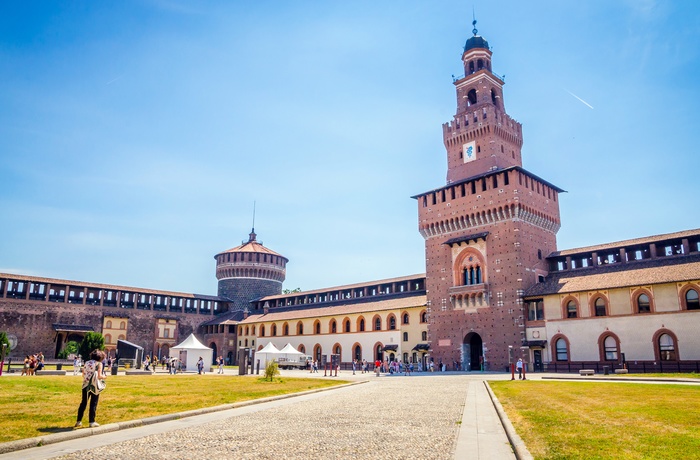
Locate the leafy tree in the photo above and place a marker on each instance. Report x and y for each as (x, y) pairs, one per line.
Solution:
(6, 341)
(91, 341)
(71, 348)
(271, 369)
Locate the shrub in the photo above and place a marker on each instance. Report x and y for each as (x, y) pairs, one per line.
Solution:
(271, 369)
(6, 341)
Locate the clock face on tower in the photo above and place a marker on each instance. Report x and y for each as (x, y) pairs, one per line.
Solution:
(469, 151)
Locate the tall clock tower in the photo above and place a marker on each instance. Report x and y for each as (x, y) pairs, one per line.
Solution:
(488, 230)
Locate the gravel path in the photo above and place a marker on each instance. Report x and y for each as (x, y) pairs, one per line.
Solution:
(389, 418)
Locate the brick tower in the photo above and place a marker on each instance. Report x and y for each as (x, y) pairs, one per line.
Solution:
(487, 230)
(249, 271)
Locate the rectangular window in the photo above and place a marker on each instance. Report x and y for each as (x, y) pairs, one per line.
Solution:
(535, 310)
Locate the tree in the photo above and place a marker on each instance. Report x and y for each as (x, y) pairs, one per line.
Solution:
(71, 348)
(91, 341)
(291, 291)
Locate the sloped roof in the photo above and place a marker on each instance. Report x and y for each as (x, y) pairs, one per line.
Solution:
(632, 242)
(115, 287)
(344, 287)
(640, 273)
(252, 245)
(300, 313)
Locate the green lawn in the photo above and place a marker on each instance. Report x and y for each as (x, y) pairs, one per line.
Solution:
(591, 420)
(35, 406)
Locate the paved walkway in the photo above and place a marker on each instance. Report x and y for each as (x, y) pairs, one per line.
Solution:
(427, 416)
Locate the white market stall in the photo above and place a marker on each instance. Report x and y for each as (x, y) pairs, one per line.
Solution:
(268, 353)
(290, 357)
(189, 352)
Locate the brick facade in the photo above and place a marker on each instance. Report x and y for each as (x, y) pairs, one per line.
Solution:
(487, 230)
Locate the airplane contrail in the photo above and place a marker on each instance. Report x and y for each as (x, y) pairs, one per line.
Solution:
(113, 80)
(587, 104)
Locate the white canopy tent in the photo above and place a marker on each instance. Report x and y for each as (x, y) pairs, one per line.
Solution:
(268, 353)
(190, 350)
(290, 352)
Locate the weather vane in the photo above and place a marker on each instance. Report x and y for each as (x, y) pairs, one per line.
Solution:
(474, 31)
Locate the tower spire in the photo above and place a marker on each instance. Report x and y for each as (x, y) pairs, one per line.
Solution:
(474, 31)
(252, 233)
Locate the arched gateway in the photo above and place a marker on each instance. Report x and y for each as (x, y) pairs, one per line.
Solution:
(472, 352)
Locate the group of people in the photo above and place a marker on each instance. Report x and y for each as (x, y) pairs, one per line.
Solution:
(33, 363)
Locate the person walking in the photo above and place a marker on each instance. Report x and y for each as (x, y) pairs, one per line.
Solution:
(92, 371)
(200, 366)
(221, 364)
(519, 367)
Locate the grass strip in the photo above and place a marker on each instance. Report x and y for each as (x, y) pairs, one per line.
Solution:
(36, 406)
(591, 420)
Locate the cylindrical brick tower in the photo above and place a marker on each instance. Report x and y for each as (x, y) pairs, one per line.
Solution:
(248, 272)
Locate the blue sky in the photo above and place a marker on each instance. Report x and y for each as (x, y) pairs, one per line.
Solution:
(135, 136)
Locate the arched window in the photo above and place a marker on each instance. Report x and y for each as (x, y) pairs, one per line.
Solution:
(253, 330)
(285, 329)
(494, 97)
(405, 318)
(317, 327)
(337, 350)
(122, 325)
(392, 323)
(479, 64)
(262, 331)
(357, 353)
(346, 325)
(424, 335)
(108, 338)
(643, 304)
(301, 348)
(377, 324)
(247, 330)
(240, 330)
(333, 327)
(667, 348)
(246, 342)
(317, 353)
(424, 317)
(300, 328)
(600, 308)
(571, 309)
(122, 337)
(691, 300)
(610, 348)
(471, 97)
(405, 336)
(166, 333)
(471, 67)
(274, 330)
(562, 350)
(108, 324)
(361, 327)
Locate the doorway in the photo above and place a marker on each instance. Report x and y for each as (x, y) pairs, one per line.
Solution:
(472, 352)
(537, 359)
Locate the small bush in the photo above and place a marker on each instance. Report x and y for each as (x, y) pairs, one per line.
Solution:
(271, 370)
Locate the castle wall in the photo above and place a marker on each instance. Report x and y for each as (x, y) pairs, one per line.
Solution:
(32, 322)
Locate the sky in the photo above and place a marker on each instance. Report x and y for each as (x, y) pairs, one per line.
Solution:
(135, 137)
